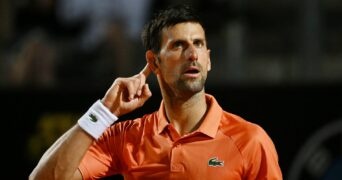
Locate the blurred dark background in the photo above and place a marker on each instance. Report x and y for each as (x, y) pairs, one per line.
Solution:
(275, 63)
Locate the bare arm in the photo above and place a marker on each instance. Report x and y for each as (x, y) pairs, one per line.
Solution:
(62, 159)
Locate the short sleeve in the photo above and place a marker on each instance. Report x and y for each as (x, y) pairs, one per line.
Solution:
(261, 158)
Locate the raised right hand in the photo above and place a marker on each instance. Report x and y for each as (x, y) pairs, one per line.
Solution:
(128, 94)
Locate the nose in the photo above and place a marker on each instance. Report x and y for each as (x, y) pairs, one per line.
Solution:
(192, 53)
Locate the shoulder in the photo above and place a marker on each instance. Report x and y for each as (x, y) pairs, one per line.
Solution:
(244, 133)
(134, 126)
(256, 148)
(232, 124)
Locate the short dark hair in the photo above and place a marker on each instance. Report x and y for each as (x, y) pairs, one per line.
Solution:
(151, 34)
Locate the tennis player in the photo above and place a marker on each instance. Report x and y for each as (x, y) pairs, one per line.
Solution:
(189, 137)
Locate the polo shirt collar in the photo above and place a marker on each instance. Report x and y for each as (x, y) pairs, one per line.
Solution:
(210, 123)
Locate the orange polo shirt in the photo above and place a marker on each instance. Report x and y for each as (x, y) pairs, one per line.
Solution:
(225, 146)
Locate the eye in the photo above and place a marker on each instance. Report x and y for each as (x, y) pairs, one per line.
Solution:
(199, 43)
(177, 44)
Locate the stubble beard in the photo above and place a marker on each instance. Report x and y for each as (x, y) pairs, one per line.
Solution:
(191, 86)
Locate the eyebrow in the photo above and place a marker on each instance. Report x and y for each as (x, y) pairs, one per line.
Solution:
(182, 40)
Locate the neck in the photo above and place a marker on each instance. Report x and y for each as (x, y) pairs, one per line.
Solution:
(186, 114)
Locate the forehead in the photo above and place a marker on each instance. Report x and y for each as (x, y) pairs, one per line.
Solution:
(183, 31)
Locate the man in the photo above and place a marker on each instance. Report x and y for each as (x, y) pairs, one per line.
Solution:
(189, 137)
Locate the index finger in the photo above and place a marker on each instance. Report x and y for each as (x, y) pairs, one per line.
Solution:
(146, 71)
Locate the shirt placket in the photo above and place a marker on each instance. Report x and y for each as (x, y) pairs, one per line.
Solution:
(176, 156)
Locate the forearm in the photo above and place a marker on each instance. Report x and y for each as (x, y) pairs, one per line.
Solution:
(62, 159)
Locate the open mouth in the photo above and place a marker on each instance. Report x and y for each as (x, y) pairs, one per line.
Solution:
(192, 71)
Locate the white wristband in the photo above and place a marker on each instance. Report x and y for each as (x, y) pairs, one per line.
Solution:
(97, 119)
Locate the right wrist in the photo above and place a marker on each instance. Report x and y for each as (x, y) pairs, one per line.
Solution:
(97, 119)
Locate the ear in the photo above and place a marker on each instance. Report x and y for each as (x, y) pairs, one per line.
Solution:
(152, 61)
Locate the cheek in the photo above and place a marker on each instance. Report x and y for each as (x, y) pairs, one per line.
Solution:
(209, 66)
(207, 62)
(170, 72)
